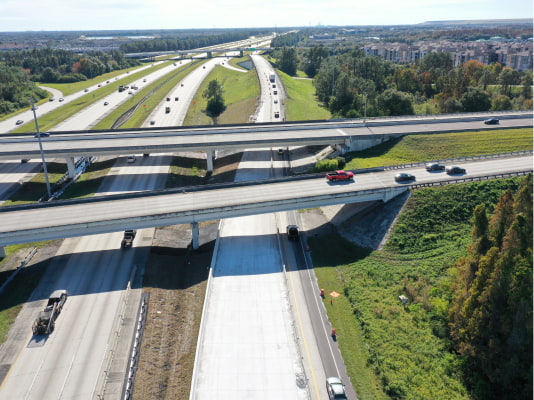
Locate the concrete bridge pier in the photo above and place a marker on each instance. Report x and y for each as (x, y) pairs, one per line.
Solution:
(71, 167)
(209, 159)
(240, 53)
(210, 54)
(194, 231)
(2, 252)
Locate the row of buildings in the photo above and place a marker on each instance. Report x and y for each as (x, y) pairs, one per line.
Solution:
(516, 55)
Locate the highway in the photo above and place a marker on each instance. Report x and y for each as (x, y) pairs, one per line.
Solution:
(70, 363)
(179, 139)
(73, 361)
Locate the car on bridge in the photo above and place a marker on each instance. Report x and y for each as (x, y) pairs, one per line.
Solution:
(434, 167)
(491, 121)
(404, 177)
(339, 176)
(455, 170)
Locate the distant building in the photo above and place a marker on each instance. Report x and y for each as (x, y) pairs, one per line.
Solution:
(516, 55)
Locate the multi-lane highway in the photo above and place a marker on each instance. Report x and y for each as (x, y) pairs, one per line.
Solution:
(74, 362)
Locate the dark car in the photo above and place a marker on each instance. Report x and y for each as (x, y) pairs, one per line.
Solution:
(335, 389)
(292, 232)
(19, 122)
(106, 103)
(454, 170)
(42, 134)
(491, 121)
(434, 167)
(403, 177)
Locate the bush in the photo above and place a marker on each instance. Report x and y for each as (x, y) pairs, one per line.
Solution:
(326, 165)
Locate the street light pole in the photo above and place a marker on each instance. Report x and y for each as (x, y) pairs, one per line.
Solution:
(365, 109)
(48, 190)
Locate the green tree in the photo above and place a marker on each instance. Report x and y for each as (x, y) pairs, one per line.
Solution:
(475, 100)
(215, 105)
(393, 102)
(500, 103)
(289, 61)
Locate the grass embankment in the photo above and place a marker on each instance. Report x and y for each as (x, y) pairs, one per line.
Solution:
(404, 348)
(241, 92)
(416, 148)
(301, 103)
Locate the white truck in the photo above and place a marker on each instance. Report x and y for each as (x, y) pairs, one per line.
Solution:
(272, 77)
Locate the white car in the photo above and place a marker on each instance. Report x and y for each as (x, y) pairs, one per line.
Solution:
(131, 159)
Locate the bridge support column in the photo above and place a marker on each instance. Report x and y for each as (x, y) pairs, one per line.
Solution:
(209, 159)
(71, 167)
(194, 231)
(2, 252)
(240, 53)
(210, 54)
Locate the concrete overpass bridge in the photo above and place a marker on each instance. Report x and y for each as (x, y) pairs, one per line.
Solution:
(151, 55)
(71, 218)
(347, 135)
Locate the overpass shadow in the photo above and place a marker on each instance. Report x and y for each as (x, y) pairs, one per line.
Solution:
(247, 255)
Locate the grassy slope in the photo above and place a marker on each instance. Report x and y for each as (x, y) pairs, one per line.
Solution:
(301, 103)
(241, 91)
(415, 148)
(407, 346)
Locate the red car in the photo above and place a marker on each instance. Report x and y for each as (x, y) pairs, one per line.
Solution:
(339, 176)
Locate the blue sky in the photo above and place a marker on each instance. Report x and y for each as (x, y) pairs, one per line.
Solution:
(51, 15)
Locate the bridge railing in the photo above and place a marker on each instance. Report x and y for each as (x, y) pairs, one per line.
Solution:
(470, 179)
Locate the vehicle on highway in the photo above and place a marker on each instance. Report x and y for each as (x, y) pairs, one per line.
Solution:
(176, 99)
(277, 114)
(455, 170)
(127, 239)
(106, 103)
(168, 99)
(19, 122)
(275, 101)
(51, 98)
(292, 232)
(99, 85)
(61, 99)
(434, 167)
(131, 159)
(167, 110)
(280, 152)
(403, 177)
(42, 134)
(86, 90)
(335, 388)
(152, 122)
(45, 321)
(144, 80)
(339, 175)
(491, 121)
(130, 92)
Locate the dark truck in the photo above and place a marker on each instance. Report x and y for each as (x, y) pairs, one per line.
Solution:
(128, 238)
(339, 176)
(45, 321)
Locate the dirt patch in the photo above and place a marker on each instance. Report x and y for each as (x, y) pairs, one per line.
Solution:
(176, 279)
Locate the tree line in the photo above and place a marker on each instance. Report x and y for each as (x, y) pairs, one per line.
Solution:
(187, 43)
(353, 85)
(490, 318)
(61, 66)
